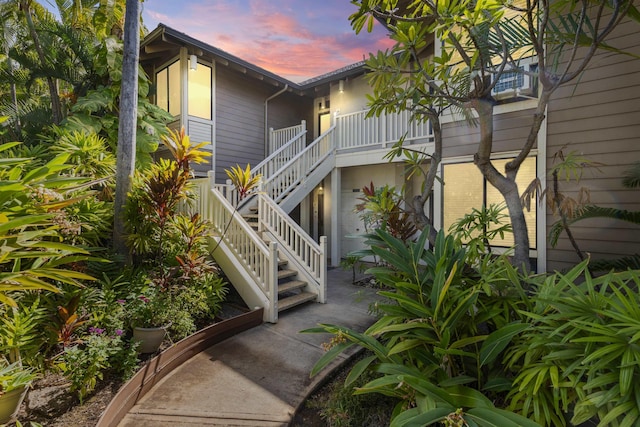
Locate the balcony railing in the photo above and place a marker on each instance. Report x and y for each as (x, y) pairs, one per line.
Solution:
(355, 130)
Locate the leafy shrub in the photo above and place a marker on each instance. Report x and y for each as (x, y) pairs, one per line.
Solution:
(342, 408)
(179, 282)
(437, 342)
(85, 363)
(579, 359)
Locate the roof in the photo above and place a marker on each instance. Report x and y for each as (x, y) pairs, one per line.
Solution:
(173, 38)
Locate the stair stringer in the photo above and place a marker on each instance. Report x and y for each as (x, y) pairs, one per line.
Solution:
(240, 278)
(315, 177)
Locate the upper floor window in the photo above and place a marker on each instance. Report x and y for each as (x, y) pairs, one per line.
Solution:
(168, 89)
(199, 91)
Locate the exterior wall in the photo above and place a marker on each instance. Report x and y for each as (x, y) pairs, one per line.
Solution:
(510, 131)
(353, 180)
(599, 117)
(353, 98)
(290, 109)
(240, 127)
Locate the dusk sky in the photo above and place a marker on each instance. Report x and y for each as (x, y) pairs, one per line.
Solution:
(296, 39)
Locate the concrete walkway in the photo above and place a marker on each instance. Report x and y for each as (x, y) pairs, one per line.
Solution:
(259, 377)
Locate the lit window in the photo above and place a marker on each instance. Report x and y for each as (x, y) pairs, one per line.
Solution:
(200, 92)
(465, 188)
(168, 89)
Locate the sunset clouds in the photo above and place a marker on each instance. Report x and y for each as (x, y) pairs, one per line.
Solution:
(296, 39)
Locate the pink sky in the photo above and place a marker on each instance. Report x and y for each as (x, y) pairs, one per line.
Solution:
(296, 39)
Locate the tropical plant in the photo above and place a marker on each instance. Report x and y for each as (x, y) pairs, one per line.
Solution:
(152, 206)
(381, 208)
(21, 335)
(586, 210)
(242, 180)
(174, 280)
(84, 364)
(579, 359)
(33, 254)
(477, 229)
(14, 376)
(437, 342)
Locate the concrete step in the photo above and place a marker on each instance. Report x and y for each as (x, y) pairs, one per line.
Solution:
(290, 286)
(295, 300)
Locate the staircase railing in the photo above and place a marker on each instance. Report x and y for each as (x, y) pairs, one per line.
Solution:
(258, 259)
(294, 241)
(283, 155)
(282, 181)
(280, 137)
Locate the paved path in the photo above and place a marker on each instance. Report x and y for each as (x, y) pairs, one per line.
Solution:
(258, 377)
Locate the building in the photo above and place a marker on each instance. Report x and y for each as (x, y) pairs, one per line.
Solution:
(316, 151)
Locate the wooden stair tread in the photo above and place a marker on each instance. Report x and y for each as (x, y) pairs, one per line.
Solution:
(283, 274)
(291, 286)
(292, 301)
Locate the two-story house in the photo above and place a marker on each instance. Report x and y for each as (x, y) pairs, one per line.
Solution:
(315, 151)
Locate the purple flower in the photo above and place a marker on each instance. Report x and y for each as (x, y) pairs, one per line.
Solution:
(118, 332)
(143, 298)
(96, 331)
(121, 301)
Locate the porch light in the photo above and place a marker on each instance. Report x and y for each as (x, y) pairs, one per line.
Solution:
(341, 86)
(193, 62)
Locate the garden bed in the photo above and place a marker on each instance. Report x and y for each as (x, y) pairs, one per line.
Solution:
(51, 404)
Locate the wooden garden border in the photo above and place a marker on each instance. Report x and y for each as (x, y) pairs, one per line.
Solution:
(165, 362)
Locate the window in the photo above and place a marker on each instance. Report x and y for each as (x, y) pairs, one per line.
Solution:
(517, 82)
(465, 188)
(168, 88)
(199, 91)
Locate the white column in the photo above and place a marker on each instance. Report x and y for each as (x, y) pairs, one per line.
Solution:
(336, 224)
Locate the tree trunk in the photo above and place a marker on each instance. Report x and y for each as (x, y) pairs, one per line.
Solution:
(506, 185)
(420, 218)
(126, 154)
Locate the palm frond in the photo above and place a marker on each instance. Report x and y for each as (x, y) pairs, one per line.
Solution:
(619, 264)
(632, 176)
(592, 211)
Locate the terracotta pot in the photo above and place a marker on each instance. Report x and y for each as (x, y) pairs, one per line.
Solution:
(150, 338)
(10, 403)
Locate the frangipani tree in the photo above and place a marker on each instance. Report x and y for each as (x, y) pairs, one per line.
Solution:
(449, 55)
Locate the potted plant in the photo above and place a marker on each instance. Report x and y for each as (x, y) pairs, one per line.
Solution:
(14, 384)
(150, 314)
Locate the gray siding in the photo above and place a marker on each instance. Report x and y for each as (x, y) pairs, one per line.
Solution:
(510, 130)
(239, 121)
(240, 130)
(599, 117)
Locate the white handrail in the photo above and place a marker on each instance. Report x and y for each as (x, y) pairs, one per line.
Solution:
(294, 239)
(280, 137)
(250, 251)
(281, 156)
(355, 130)
(293, 172)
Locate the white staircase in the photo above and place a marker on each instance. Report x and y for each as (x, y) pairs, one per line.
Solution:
(271, 261)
